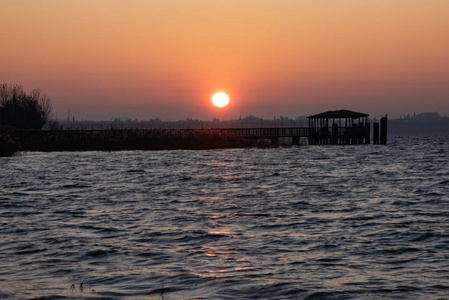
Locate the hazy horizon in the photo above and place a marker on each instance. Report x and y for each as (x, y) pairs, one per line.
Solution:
(237, 118)
(165, 59)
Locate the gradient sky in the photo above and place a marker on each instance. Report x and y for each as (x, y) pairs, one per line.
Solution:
(144, 59)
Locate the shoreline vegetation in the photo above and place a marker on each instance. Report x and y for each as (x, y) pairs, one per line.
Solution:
(15, 140)
(7, 144)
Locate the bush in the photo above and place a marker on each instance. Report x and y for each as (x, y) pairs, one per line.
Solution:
(7, 145)
(21, 110)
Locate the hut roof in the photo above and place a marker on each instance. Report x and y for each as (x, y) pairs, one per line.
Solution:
(338, 114)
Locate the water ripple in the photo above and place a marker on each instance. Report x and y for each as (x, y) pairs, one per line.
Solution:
(290, 223)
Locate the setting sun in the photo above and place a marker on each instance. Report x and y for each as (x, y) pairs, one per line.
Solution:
(220, 99)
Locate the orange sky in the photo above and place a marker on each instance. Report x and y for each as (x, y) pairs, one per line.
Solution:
(144, 59)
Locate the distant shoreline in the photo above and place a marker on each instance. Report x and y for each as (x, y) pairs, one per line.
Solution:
(422, 123)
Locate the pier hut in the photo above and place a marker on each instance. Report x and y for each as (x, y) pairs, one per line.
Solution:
(339, 127)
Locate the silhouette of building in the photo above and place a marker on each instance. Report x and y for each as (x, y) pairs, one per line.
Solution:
(427, 116)
(339, 127)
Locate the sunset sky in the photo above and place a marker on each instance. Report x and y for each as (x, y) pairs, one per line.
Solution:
(144, 59)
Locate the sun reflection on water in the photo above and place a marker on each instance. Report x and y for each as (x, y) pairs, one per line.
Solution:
(223, 214)
(224, 262)
(211, 215)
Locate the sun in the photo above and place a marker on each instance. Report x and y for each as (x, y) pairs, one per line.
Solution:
(220, 99)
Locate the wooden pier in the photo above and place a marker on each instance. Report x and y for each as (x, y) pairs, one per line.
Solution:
(341, 127)
(272, 134)
(344, 127)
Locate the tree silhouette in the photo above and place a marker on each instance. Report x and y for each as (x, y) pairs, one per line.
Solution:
(21, 110)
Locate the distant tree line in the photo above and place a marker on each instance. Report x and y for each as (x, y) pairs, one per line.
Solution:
(21, 110)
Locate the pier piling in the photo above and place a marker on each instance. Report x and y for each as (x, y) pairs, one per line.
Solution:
(383, 130)
(375, 133)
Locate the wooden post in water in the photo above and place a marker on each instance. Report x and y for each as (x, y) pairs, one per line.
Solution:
(334, 138)
(295, 140)
(354, 134)
(252, 141)
(367, 133)
(383, 130)
(376, 133)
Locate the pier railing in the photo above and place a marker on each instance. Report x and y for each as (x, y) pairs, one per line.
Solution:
(268, 132)
(140, 138)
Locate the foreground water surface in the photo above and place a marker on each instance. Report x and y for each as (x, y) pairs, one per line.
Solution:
(308, 222)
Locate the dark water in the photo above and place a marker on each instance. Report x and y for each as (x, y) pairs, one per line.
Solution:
(310, 222)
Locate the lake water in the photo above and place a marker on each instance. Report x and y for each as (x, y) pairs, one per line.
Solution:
(308, 222)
